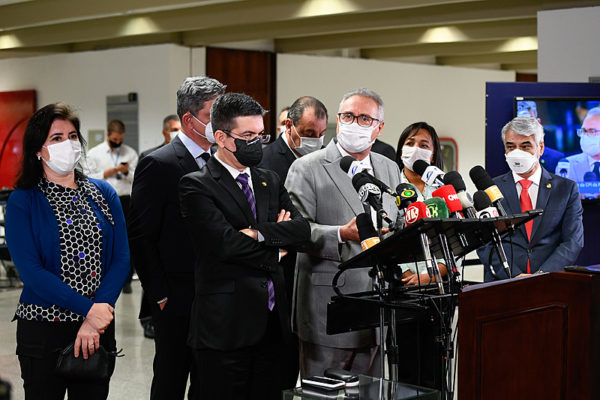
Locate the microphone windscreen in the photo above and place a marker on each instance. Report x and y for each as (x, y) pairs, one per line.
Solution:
(481, 179)
(415, 212)
(407, 194)
(346, 162)
(453, 178)
(465, 199)
(449, 195)
(365, 226)
(359, 180)
(420, 166)
(437, 207)
(481, 200)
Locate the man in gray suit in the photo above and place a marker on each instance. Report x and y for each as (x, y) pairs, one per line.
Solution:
(324, 194)
(589, 160)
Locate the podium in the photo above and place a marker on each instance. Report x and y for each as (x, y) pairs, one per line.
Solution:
(531, 338)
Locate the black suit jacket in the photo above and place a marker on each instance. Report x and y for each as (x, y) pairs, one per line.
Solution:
(278, 157)
(163, 252)
(384, 149)
(150, 151)
(230, 306)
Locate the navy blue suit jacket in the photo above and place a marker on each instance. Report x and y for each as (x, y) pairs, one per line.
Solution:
(556, 237)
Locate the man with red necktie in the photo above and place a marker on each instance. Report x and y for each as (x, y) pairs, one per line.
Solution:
(553, 240)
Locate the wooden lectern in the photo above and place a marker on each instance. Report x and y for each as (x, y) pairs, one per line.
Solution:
(531, 338)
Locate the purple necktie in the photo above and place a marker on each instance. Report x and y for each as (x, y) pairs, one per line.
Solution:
(243, 180)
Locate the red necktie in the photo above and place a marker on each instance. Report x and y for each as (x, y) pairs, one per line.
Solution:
(526, 206)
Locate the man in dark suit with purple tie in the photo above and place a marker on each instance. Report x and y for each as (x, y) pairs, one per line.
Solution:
(241, 221)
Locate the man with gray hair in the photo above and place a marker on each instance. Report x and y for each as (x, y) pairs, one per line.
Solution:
(551, 241)
(162, 250)
(324, 194)
(587, 163)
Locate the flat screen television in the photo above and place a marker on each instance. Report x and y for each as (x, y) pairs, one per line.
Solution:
(561, 118)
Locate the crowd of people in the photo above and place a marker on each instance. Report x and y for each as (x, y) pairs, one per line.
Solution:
(235, 244)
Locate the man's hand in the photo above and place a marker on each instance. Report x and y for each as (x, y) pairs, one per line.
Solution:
(110, 172)
(88, 339)
(123, 168)
(349, 232)
(100, 316)
(283, 216)
(253, 233)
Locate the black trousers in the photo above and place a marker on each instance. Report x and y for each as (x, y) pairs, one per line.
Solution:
(173, 357)
(250, 373)
(38, 345)
(125, 206)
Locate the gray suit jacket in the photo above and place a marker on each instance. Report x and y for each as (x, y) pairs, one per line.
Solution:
(324, 194)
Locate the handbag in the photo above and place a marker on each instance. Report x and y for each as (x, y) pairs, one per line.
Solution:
(98, 366)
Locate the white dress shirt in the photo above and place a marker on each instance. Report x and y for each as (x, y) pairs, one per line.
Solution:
(101, 158)
(194, 148)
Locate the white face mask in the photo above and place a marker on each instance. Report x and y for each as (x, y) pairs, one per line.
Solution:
(208, 132)
(521, 162)
(590, 145)
(63, 156)
(173, 134)
(281, 129)
(308, 144)
(355, 138)
(410, 154)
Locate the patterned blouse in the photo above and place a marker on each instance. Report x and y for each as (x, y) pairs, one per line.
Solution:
(80, 245)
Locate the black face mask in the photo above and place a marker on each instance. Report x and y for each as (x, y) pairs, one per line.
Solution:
(114, 145)
(248, 155)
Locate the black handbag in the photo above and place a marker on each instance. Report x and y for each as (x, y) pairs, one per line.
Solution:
(99, 366)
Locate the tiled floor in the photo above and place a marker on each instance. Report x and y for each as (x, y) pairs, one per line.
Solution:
(133, 373)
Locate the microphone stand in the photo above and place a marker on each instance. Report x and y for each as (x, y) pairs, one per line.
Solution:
(432, 268)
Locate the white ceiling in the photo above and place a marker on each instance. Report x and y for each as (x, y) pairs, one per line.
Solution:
(499, 34)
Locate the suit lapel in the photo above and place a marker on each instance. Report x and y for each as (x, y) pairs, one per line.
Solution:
(542, 199)
(285, 151)
(341, 179)
(186, 161)
(508, 188)
(261, 194)
(224, 178)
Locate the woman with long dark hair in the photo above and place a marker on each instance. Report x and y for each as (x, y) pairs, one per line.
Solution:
(419, 141)
(66, 235)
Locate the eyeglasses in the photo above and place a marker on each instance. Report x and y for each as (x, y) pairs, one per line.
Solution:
(250, 138)
(347, 118)
(588, 132)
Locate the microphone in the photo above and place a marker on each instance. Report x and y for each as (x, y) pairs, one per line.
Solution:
(437, 207)
(449, 196)
(484, 208)
(430, 174)
(482, 181)
(483, 205)
(453, 178)
(562, 167)
(406, 194)
(415, 212)
(370, 195)
(347, 161)
(366, 232)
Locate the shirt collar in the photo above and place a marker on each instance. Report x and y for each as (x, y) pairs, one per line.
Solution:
(233, 171)
(194, 148)
(535, 178)
(592, 162)
(285, 139)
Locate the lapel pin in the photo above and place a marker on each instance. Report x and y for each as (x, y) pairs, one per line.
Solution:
(264, 184)
(549, 185)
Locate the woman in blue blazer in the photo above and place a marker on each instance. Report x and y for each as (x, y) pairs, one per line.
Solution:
(66, 235)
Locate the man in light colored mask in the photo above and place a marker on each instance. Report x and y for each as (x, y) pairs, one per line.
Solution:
(283, 114)
(171, 127)
(324, 194)
(304, 130)
(553, 240)
(586, 165)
